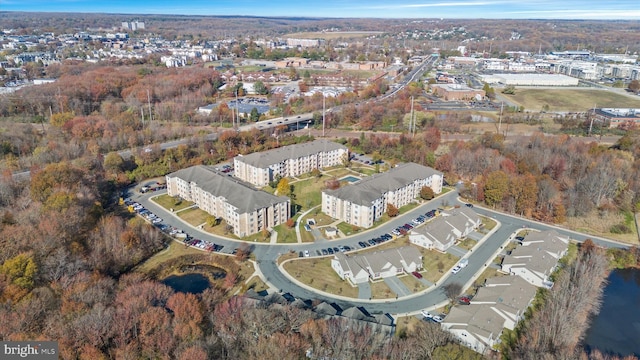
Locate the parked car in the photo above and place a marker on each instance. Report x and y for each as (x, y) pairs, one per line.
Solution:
(437, 318)
(464, 300)
(325, 252)
(468, 205)
(417, 274)
(362, 244)
(427, 314)
(306, 253)
(456, 269)
(330, 251)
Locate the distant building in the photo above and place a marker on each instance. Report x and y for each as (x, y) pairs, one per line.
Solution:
(615, 118)
(243, 207)
(365, 201)
(532, 79)
(454, 92)
(288, 161)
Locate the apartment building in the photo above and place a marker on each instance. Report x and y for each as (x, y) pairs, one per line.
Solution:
(288, 161)
(365, 201)
(243, 207)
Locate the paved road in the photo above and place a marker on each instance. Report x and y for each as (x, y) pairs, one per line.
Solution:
(266, 254)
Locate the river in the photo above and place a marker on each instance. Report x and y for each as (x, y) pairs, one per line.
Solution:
(616, 329)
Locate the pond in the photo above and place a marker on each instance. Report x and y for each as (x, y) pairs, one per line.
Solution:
(616, 329)
(188, 283)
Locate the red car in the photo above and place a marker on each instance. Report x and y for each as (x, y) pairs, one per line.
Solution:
(464, 300)
(417, 274)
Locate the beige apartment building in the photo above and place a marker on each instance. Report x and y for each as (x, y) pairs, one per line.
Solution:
(288, 161)
(365, 201)
(243, 207)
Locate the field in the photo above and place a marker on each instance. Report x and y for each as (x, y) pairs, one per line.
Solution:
(169, 202)
(570, 99)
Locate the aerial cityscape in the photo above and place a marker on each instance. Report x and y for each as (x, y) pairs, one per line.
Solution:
(345, 180)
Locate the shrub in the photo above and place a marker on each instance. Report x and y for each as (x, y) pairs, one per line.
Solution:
(620, 229)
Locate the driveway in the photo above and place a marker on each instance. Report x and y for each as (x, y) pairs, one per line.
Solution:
(364, 291)
(397, 286)
(457, 251)
(475, 236)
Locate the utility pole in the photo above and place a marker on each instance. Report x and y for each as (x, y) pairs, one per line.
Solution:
(237, 112)
(500, 118)
(593, 115)
(149, 102)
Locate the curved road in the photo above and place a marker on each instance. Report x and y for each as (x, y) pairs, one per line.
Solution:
(267, 254)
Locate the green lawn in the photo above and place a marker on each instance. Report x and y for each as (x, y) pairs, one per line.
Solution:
(193, 216)
(318, 274)
(348, 229)
(570, 99)
(169, 202)
(431, 259)
(308, 193)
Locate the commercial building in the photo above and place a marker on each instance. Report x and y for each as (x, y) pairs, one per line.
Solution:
(615, 118)
(243, 207)
(288, 161)
(532, 79)
(365, 201)
(451, 92)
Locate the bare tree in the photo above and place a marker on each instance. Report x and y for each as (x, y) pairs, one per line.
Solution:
(452, 291)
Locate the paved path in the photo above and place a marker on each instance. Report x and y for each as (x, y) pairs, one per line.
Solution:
(299, 223)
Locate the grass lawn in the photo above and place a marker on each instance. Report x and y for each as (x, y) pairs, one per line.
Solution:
(348, 229)
(380, 290)
(412, 283)
(220, 229)
(256, 284)
(285, 234)
(174, 250)
(339, 173)
(169, 202)
(570, 99)
(308, 193)
(318, 274)
(431, 259)
(467, 244)
(193, 216)
(488, 225)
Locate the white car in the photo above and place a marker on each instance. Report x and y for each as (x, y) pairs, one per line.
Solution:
(437, 319)
(156, 220)
(456, 269)
(306, 253)
(427, 314)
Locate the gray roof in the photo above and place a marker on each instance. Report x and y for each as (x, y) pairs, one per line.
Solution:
(369, 189)
(265, 159)
(327, 309)
(550, 240)
(533, 257)
(479, 319)
(376, 261)
(239, 194)
(512, 291)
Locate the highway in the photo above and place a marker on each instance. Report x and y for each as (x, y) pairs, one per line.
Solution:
(267, 254)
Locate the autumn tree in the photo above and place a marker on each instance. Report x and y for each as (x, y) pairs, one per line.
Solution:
(496, 187)
(426, 193)
(283, 188)
(392, 211)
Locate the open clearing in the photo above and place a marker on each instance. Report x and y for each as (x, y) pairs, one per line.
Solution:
(570, 99)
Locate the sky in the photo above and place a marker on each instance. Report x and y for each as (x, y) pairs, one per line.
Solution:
(490, 9)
